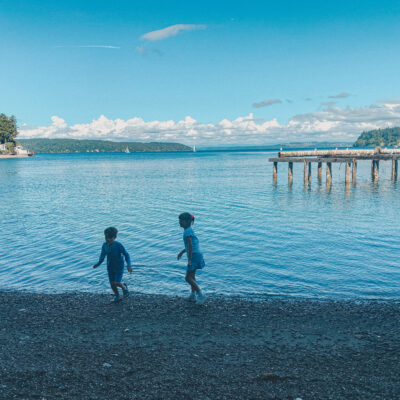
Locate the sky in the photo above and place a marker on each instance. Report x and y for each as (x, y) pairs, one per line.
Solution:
(209, 72)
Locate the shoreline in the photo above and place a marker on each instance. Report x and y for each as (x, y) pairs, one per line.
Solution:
(77, 345)
(7, 156)
(235, 296)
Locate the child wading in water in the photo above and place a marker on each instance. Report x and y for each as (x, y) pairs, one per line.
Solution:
(115, 253)
(194, 256)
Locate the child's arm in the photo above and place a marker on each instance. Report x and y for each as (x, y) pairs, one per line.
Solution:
(181, 253)
(127, 258)
(101, 258)
(190, 248)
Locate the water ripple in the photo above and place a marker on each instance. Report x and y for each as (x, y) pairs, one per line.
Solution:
(257, 238)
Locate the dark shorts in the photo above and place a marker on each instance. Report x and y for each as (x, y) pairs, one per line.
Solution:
(115, 274)
(197, 262)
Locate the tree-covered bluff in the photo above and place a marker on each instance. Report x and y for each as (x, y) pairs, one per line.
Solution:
(8, 133)
(379, 137)
(97, 146)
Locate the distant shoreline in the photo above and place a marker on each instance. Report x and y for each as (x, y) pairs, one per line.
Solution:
(98, 146)
(43, 145)
(4, 156)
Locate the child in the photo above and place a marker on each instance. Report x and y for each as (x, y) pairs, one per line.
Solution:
(194, 256)
(115, 262)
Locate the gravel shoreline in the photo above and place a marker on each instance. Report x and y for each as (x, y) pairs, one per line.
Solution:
(78, 346)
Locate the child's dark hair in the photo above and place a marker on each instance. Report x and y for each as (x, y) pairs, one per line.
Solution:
(110, 232)
(187, 217)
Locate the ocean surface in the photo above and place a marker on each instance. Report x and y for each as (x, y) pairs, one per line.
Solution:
(257, 239)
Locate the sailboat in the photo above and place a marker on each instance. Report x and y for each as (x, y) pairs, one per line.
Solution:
(194, 149)
(127, 150)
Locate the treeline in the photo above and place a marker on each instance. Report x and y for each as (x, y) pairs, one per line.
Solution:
(379, 137)
(8, 131)
(100, 146)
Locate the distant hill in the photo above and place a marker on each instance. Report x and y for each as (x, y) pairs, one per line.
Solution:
(379, 137)
(96, 146)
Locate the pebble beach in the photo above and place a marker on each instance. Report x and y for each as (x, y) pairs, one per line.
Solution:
(79, 346)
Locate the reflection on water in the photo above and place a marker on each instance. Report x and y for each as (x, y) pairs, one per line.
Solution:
(308, 240)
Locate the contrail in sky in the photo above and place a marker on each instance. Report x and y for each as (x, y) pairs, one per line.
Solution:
(97, 46)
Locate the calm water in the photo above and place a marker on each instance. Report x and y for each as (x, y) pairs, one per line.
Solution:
(256, 238)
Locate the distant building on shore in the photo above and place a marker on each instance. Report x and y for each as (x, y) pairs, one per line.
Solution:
(19, 150)
(16, 152)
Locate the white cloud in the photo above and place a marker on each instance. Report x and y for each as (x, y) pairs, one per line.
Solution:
(328, 103)
(145, 51)
(332, 123)
(390, 101)
(266, 103)
(169, 31)
(341, 95)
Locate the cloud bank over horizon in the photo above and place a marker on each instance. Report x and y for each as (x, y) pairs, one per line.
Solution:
(331, 124)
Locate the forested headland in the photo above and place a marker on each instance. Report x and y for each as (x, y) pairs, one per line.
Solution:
(97, 146)
(379, 137)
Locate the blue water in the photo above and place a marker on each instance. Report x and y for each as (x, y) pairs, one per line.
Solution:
(257, 238)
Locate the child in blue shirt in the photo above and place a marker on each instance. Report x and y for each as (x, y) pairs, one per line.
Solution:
(194, 256)
(115, 253)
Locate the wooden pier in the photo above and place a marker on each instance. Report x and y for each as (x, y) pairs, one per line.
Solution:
(327, 157)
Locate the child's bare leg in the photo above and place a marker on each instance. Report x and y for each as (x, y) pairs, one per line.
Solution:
(121, 285)
(191, 280)
(114, 288)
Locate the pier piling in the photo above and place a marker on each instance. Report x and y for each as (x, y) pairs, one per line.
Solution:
(375, 171)
(305, 172)
(347, 178)
(319, 171)
(275, 172)
(290, 173)
(328, 173)
(354, 177)
(394, 170)
(309, 173)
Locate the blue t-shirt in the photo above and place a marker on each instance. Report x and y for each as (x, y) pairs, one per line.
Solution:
(195, 242)
(115, 256)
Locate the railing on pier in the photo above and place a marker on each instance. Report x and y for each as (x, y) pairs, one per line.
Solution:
(349, 157)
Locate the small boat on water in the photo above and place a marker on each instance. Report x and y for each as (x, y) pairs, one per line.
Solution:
(127, 150)
(194, 149)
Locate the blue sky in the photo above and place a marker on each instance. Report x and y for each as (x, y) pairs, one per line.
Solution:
(256, 61)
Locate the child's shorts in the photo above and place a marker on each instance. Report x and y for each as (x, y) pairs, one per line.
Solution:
(197, 262)
(115, 274)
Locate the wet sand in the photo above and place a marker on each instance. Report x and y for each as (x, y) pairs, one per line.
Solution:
(78, 346)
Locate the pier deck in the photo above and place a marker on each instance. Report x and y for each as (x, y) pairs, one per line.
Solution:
(349, 157)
